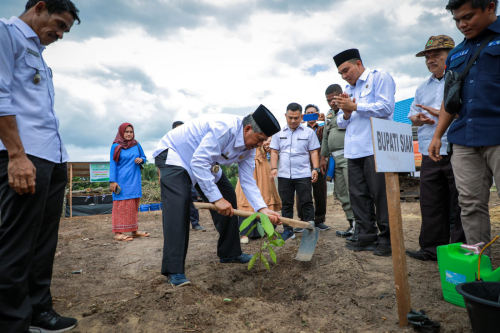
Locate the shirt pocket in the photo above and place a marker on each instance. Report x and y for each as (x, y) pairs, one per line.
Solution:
(365, 94)
(458, 64)
(489, 64)
(34, 66)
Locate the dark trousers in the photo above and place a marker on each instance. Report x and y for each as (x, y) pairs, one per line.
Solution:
(287, 188)
(176, 199)
(28, 241)
(194, 216)
(368, 200)
(319, 195)
(439, 205)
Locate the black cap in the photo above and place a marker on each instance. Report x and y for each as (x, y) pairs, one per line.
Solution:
(177, 123)
(345, 56)
(266, 121)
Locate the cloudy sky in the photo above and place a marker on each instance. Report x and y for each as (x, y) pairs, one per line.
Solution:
(150, 62)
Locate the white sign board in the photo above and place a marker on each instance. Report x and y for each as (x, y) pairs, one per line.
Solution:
(393, 146)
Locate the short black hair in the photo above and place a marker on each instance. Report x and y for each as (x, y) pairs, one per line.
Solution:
(294, 107)
(56, 6)
(333, 88)
(311, 106)
(177, 123)
(455, 4)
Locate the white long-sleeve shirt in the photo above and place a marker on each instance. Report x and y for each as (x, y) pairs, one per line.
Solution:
(374, 93)
(200, 144)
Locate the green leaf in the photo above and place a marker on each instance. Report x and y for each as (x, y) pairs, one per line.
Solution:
(272, 254)
(279, 242)
(266, 224)
(260, 229)
(251, 229)
(265, 262)
(246, 222)
(252, 261)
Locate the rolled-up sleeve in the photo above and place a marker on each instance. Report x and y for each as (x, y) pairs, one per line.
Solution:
(6, 72)
(383, 106)
(203, 158)
(248, 183)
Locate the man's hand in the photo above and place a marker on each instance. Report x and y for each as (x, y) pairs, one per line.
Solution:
(274, 173)
(345, 103)
(273, 216)
(314, 176)
(434, 149)
(323, 164)
(113, 186)
(224, 207)
(138, 160)
(22, 175)
(420, 119)
(434, 112)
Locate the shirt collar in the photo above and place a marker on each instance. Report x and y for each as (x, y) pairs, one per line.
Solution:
(495, 26)
(240, 139)
(364, 75)
(27, 31)
(286, 128)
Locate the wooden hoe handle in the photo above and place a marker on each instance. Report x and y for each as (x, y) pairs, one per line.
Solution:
(244, 213)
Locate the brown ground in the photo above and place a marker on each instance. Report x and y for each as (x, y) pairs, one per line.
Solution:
(120, 288)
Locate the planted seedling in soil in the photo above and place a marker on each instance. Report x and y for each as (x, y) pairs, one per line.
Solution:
(271, 239)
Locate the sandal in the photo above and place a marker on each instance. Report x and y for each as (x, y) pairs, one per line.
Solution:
(140, 234)
(124, 238)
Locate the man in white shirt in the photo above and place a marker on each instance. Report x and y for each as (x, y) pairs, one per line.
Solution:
(438, 194)
(369, 93)
(192, 154)
(296, 146)
(33, 171)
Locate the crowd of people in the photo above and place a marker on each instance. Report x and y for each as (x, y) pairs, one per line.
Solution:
(458, 167)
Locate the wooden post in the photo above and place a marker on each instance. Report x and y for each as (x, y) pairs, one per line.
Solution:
(70, 190)
(398, 247)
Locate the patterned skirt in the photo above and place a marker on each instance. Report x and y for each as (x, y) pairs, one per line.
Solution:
(125, 215)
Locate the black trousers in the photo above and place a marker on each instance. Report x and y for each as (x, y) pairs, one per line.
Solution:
(176, 199)
(28, 241)
(441, 221)
(287, 188)
(319, 196)
(368, 200)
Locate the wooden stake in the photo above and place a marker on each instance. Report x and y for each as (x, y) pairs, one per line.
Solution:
(70, 190)
(398, 247)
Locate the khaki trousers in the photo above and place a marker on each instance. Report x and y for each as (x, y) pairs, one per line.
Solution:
(474, 169)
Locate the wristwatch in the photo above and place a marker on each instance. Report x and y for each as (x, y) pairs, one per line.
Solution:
(318, 170)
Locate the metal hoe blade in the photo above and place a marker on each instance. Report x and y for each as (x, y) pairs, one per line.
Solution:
(307, 244)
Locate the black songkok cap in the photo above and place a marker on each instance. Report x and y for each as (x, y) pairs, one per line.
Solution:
(266, 121)
(345, 56)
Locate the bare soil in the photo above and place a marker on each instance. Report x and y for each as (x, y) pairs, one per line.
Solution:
(115, 286)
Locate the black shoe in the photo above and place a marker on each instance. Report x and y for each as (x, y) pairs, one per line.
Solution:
(198, 227)
(361, 246)
(349, 232)
(322, 226)
(422, 255)
(383, 250)
(51, 321)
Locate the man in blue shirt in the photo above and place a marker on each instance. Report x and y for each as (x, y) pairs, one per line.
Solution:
(475, 133)
(32, 167)
(438, 194)
(369, 93)
(296, 147)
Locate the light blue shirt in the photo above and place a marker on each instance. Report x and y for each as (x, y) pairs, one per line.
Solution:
(429, 93)
(374, 92)
(202, 143)
(32, 104)
(294, 147)
(126, 173)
